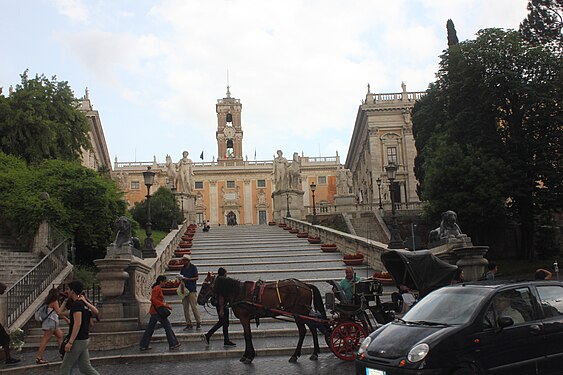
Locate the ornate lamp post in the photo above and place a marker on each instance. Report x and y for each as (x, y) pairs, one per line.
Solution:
(379, 191)
(174, 220)
(148, 248)
(288, 198)
(396, 241)
(314, 221)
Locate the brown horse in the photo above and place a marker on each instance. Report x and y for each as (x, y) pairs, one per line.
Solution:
(250, 300)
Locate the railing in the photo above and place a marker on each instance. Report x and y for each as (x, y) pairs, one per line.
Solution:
(93, 294)
(26, 290)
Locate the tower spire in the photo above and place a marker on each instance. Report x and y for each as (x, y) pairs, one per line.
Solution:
(228, 87)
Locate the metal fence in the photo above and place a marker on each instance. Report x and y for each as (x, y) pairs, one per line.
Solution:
(27, 289)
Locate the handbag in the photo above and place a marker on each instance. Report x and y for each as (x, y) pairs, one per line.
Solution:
(182, 291)
(162, 311)
(63, 344)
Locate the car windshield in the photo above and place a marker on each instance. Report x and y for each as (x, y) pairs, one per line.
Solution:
(449, 306)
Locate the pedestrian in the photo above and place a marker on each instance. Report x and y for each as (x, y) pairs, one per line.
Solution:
(348, 284)
(189, 276)
(493, 269)
(5, 338)
(76, 349)
(50, 325)
(542, 274)
(157, 300)
(223, 315)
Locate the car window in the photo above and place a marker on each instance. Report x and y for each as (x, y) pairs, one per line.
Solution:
(551, 299)
(514, 303)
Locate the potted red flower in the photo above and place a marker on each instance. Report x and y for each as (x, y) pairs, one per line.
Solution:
(170, 287)
(384, 278)
(271, 223)
(302, 234)
(314, 239)
(294, 230)
(187, 238)
(175, 264)
(185, 244)
(353, 259)
(282, 225)
(329, 248)
(179, 252)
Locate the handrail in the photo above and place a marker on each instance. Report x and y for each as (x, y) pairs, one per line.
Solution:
(26, 290)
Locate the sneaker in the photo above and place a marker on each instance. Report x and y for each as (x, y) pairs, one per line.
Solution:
(229, 343)
(188, 327)
(12, 361)
(145, 348)
(205, 339)
(198, 326)
(176, 347)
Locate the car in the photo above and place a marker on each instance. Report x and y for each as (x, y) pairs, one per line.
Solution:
(473, 328)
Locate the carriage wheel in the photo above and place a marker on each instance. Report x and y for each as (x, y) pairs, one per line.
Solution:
(345, 340)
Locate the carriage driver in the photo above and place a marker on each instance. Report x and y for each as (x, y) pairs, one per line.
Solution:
(348, 284)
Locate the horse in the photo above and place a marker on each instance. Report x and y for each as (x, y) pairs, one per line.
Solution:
(170, 170)
(253, 300)
(294, 172)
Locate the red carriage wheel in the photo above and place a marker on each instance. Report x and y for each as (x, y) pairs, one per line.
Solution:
(345, 340)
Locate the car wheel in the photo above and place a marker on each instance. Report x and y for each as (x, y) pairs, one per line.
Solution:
(465, 371)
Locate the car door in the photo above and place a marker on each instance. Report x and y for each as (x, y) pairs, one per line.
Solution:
(516, 349)
(551, 304)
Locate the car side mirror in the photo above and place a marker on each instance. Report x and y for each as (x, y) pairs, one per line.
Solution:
(504, 321)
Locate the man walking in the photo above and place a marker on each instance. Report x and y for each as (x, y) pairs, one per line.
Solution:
(189, 277)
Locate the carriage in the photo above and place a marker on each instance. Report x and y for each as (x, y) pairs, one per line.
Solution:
(350, 322)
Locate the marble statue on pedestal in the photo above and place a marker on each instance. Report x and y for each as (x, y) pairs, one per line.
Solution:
(280, 171)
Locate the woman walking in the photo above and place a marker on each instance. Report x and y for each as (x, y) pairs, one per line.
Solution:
(76, 349)
(157, 300)
(50, 325)
(223, 314)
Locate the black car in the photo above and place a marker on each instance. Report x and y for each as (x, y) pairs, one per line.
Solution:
(479, 328)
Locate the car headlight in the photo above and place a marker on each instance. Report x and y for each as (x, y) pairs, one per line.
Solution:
(364, 347)
(418, 352)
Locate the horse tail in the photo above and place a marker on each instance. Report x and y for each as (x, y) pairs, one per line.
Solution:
(318, 301)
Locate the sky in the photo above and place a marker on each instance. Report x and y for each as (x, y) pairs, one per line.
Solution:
(155, 69)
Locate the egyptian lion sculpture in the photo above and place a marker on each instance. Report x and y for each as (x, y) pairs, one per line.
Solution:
(123, 229)
(448, 227)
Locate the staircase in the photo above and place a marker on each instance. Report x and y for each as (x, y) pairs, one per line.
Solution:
(366, 225)
(15, 264)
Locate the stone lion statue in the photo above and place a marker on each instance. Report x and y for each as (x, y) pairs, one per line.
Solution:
(448, 227)
(123, 229)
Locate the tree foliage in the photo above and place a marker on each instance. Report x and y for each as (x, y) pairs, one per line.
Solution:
(164, 209)
(81, 202)
(40, 120)
(544, 24)
(489, 132)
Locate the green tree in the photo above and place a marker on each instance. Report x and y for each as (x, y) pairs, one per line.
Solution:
(164, 209)
(544, 24)
(41, 120)
(497, 107)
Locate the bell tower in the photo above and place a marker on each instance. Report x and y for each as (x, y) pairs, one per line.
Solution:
(229, 132)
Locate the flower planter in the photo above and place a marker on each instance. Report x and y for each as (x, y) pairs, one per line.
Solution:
(329, 248)
(187, 238)
(271, 223)
(294, 231)
(169, 291)
(302, 234)
(185, 244)
(314, 240)
(282, 225)
(287, 228)
(353, 262)
(385, 281)
(182, 252)
(189, 234)
(175, 264)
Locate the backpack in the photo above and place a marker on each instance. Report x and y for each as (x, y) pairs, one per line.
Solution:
(41, 314)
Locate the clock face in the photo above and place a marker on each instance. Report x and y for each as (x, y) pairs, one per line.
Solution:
(229, 132)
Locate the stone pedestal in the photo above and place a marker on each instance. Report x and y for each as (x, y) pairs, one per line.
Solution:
(345, 203)
(296, 208)
(112, 277)
(187, 201)
(472, 260)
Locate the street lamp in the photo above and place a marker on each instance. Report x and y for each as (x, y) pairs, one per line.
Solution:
(174, 211)
(288, 198)
(314, 221)
(379, 191)
(396, 241)
(148, 248)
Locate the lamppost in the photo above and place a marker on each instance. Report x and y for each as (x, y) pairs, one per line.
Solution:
(314, 221)
(148, 248)
(396, 241)
(379, 191)
(174, 212)
(288, 198)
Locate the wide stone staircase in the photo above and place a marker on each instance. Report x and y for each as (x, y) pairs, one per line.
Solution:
(248, 253)
(15, 264)
(366, 225)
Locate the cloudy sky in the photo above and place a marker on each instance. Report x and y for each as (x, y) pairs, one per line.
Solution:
(155, 69)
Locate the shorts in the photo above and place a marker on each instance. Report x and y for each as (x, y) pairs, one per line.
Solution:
(4, 337)
(49, 324)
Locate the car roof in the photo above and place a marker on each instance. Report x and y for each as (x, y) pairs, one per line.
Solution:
(502, 284)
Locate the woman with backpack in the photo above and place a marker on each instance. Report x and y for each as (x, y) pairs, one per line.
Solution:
(50, 324)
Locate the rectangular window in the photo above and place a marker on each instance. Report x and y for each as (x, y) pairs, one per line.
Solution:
(392, 155)
(261, 183)
(230, 184)
(199, 184)
(321, 180)
(135, 185)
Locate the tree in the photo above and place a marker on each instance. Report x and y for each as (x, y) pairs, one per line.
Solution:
(452, 34)
(544, 24)
(164, 209)
(41, 120)
(497, 133)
